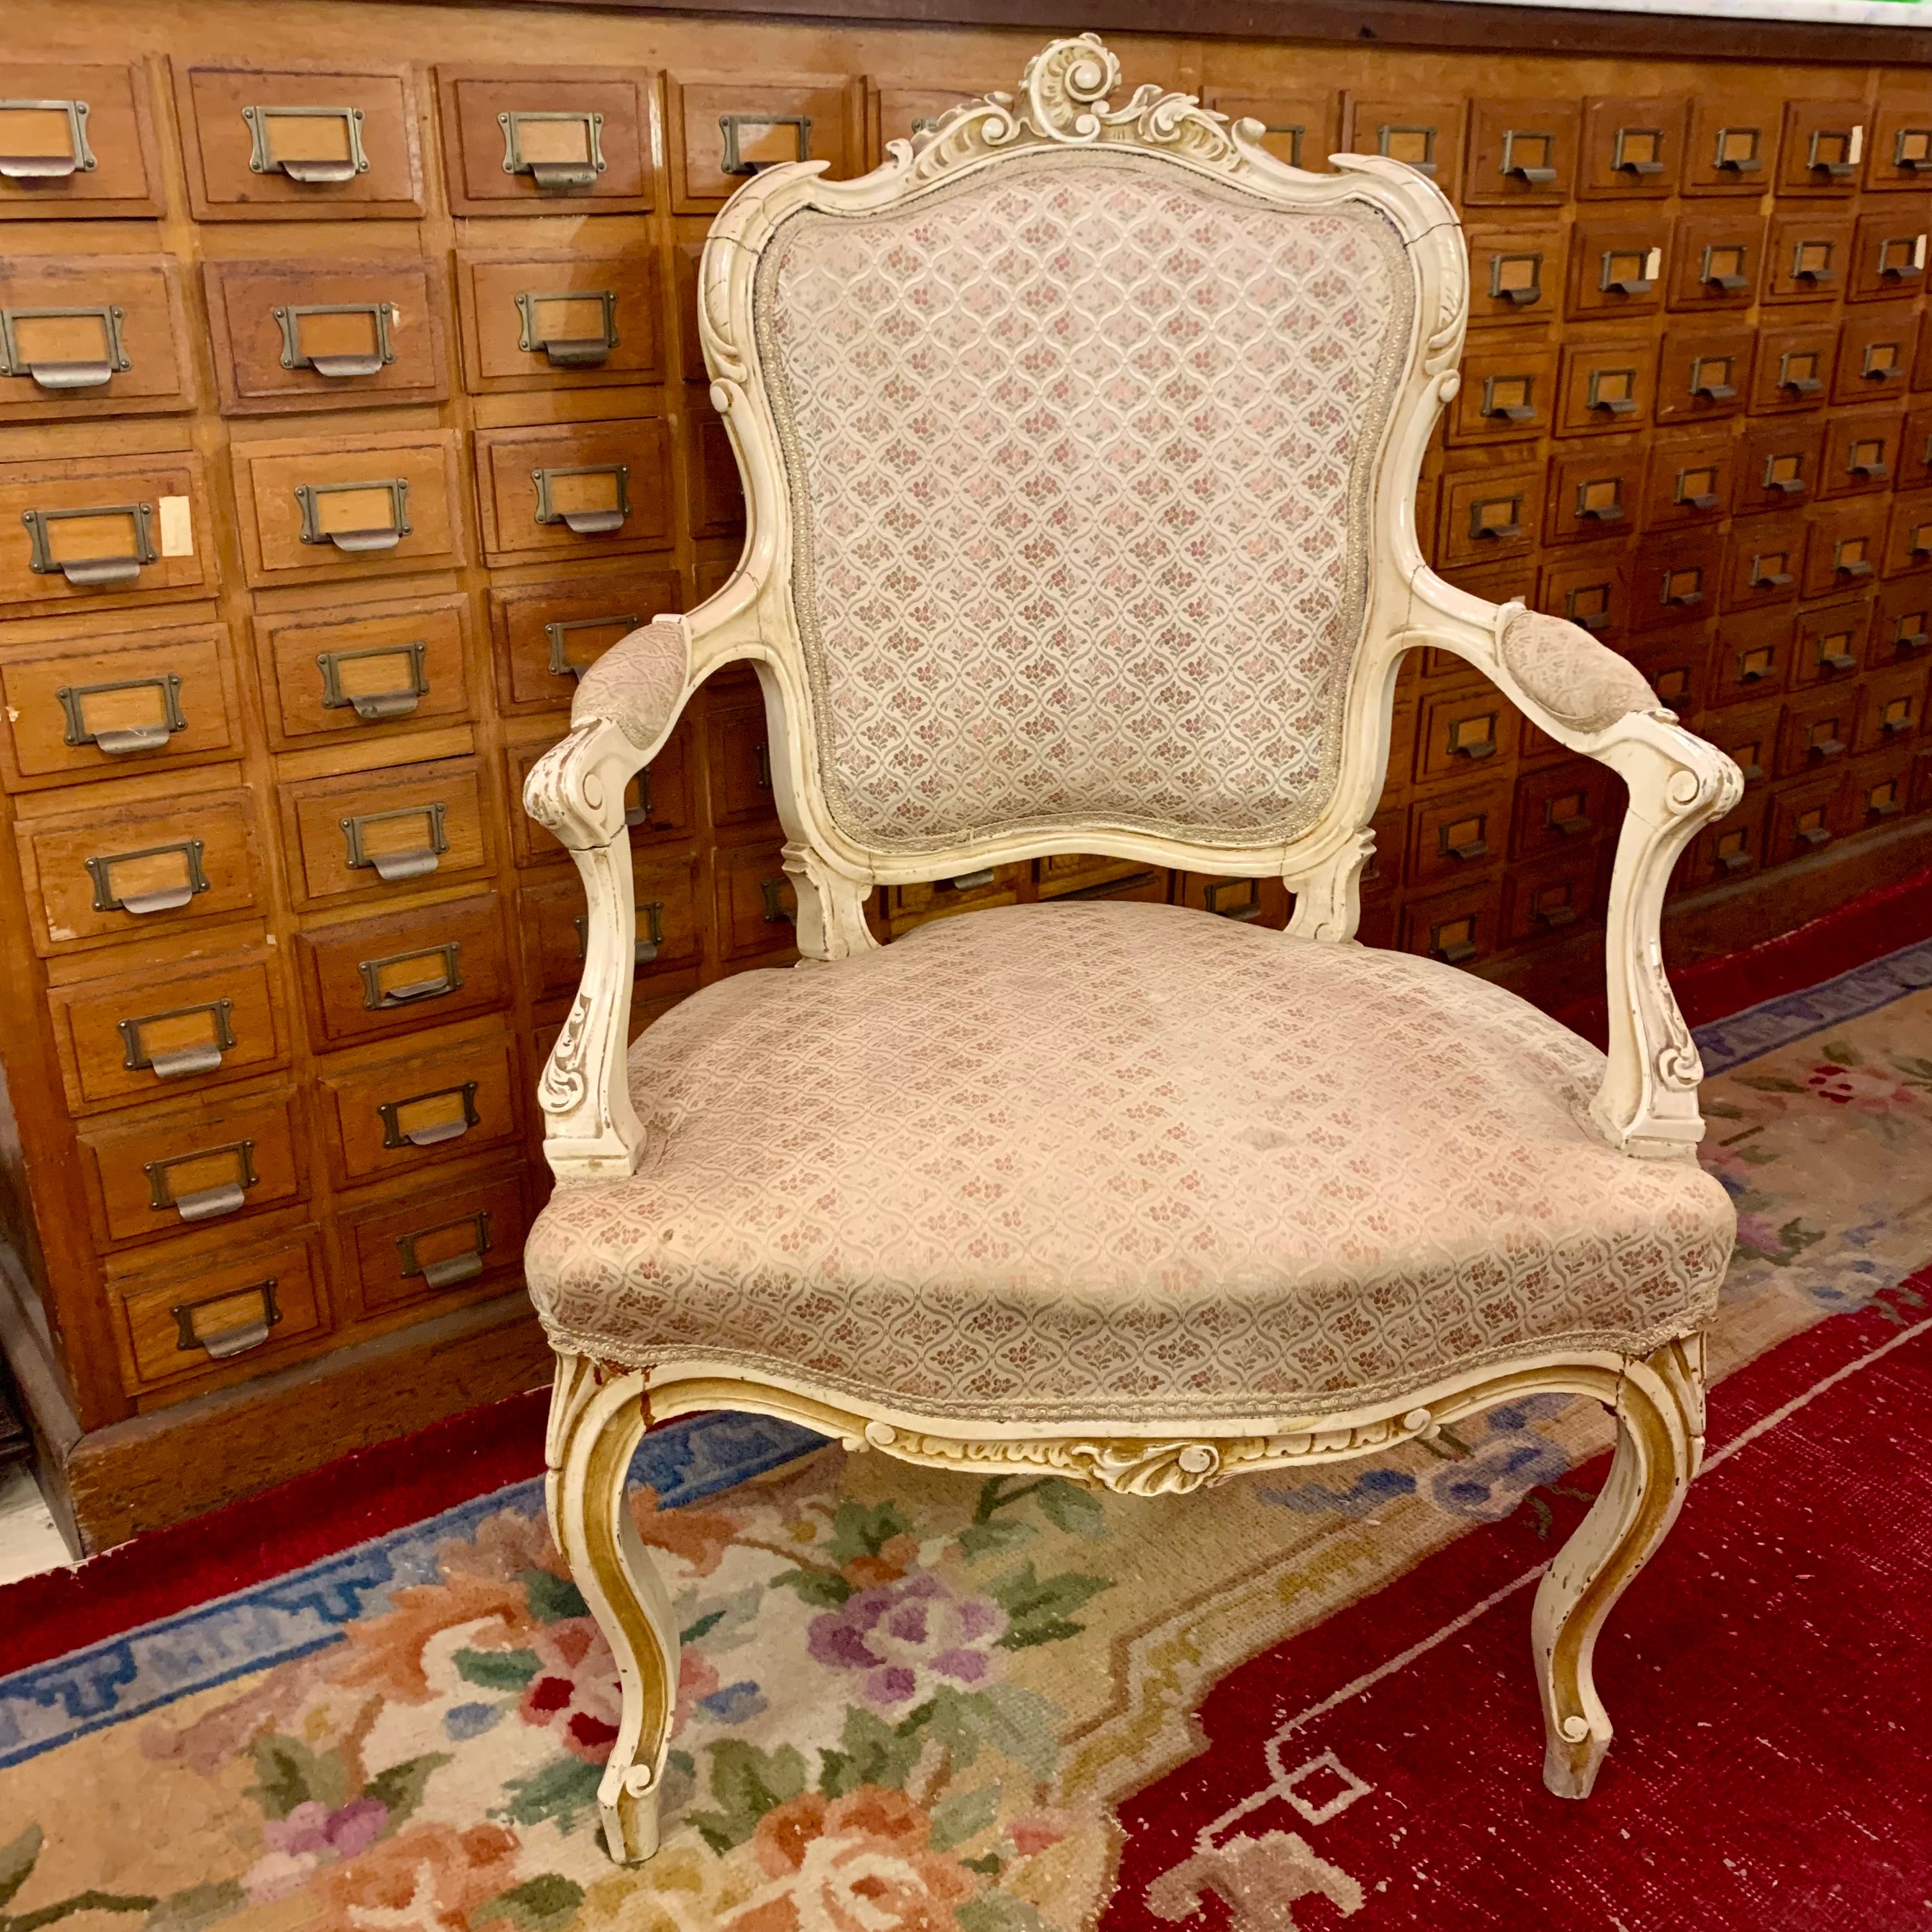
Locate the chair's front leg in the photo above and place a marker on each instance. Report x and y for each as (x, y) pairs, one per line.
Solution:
(595, 1424)
(1659, 1442)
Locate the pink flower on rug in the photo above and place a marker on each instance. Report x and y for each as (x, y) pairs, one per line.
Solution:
(861, 1863)
(1860, 1088)
(429, 1879)
(312, 1834)
(574, 1692)
(910, 1638)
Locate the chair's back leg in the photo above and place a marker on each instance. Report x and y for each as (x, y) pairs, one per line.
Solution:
(1660, 1440)
(594, 1425)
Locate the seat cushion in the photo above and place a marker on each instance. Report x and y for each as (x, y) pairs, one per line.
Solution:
(1106, 1161)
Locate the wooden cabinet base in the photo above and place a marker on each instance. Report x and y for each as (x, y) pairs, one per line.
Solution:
(108, 1484)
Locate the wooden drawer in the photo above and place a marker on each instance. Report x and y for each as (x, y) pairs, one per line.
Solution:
(1829, 641)
(158, 1169)
(1689, 481)
(1452, 833)
(900, 112)
(1381, 872)
(1821, 150)
(1675, 580)
(1815, 733)
(299, 142)
(1875, 346)
(1846, 546)
(91, 335)
(717, 507)
(739, 762)
(1632, 147)
(470, 1237)
(102, 528)
(1487, 514)
(85, 137)
(1888, 253)
(1751, 657)
(1765, 561)
(551, 919)
(387, 1112)
(1793, 367)
(105, 873)
(1086, 875)
(1590, 588)
(157, 1033)
(1460, 928)
(906, 907)
(724, 130)
(1901, 631)
(1880, 788)
(1703, 372)
(1595, 490)
(657, 802)
(686, 257)
(525, 140)
(389, 667)
(1458, 732)
(1778, 464)
(1672, 663)
(1732, 148)
(1808, 255)
(190, 1312)
(578, 490)
(1521, 152)
(1616, 266)
(1915, 461)
(1908, 540)
(1560, 808)
(1899, 153)
(1894, 712)
(373, 834)
(1606, 385)
(1253, 901)
(1426, 135)
(1548, 898)
(1921, 800)
(1806, 816)
(330, 335)
(546, 635)
(403, 970)
(1732, 848)
(1747, 733)
(131, 702)
(1716, 259)
(1516, 272)
(543, 321)
(757, 908)
(1509, 384)
(347, 506)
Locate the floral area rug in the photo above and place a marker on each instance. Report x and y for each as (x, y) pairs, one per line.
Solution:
(911, 1701)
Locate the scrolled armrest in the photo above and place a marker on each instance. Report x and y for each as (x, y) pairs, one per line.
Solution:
(1586, 697)
(639, 684)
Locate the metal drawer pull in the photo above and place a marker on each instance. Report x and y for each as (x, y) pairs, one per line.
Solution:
(646, 949)
(373, 706)
(411, 863)
(1836, 661)
(1645, 144)
(1815, 834)
(564, 337)
(1473, 848)
(1762, 579)
(1555, 916)
(1107, 888)
(206, 1203)
(586, 519)
(203, 1204)
(175, 1062)
(377, 997)
(1637, 278)
(559, 633)
(1453, 950)
(339, 362)
(1824, 748)
(1506, 282)
(354, 538)
(29, 347)
(741, 131)
(774, 914)
(971, 882)
(1883, 802)
(324, 144)
(1912, 150)
(1390, 135)
(639, 813)
(96, 571)
(155, 899)
(562, 152)
(1908, 641)
(433, 1131)
(1802, 385)
(1734, 861)
(1516, 412)
(236, 1340)
(452, 1268)
(1835, 151)
(1539, 174)
(43, 140)
(119, 740)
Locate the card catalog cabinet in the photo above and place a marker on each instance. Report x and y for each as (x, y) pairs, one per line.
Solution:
(352, 405)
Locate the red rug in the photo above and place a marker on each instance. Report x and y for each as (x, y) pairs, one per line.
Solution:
(1770, 1676)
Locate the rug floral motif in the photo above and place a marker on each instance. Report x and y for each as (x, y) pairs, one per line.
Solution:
(909, 1700)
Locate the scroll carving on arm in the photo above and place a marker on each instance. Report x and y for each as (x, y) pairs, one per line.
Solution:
(1588, 697)
(626, 704)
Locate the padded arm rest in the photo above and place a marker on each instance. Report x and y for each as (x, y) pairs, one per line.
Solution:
(1588, 697)
(639, 685)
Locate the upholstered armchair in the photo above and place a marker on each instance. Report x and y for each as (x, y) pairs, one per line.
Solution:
(1081, 444)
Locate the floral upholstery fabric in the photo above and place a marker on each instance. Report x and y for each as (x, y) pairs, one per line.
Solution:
(1080, 452)
(1585, 684)
(1111, 1160)
(637, 684)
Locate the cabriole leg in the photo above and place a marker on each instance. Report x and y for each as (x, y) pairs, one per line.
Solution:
(1660, 1440)
(594, 1428)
